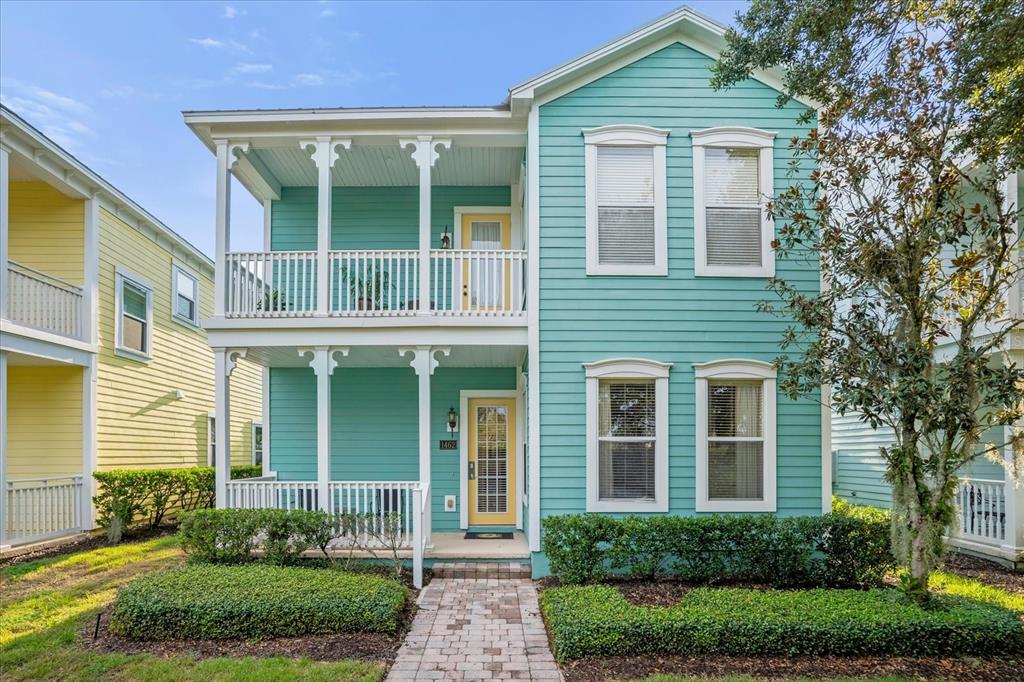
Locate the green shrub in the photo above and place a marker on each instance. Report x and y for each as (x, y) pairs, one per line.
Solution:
(204, 601)
(127, 497)
(839, 549)
(598, 621)
(233, 535)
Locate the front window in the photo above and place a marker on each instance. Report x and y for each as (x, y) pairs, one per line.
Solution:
(186, 296)
(134, 316)
(211, 441)
(257, 444)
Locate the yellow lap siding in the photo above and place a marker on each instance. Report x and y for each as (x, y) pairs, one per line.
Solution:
(44, 421)
(46, 230)
(141, 423)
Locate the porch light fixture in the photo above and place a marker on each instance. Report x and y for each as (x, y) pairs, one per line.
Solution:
(453, 420)
(446, 238)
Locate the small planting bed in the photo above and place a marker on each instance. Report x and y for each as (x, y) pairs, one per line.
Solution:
(252, 602)
(598, 620)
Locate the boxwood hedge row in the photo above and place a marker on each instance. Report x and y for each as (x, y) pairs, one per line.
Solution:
(254, 601)
(597, 620)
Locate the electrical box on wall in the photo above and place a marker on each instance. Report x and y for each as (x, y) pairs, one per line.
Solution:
(449, 503)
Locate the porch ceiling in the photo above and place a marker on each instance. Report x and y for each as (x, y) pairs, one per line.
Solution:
(387, 356)
(390, 166)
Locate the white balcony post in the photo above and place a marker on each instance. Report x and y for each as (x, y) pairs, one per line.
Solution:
(5, 178)
(88, 441)
(417, 538)
(1014, 496)
(424, 153)
(226, 160)
(224, 364)
(424, 363)
(91, 272)
(324, 151)
(3, 447)
(322, 360)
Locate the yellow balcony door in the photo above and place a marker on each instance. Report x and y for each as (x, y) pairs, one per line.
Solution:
(492, 461)
(486, 280)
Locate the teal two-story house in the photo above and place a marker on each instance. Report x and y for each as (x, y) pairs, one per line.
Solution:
(478, 317)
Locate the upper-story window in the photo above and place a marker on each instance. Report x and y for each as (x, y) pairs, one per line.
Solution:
(627, 435)
(133, 319)
(185, 288)
(626, 206)
(735, 436)
(732, 180)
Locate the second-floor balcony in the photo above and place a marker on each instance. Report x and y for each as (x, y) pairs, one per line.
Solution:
(381, 283)
(44, 302)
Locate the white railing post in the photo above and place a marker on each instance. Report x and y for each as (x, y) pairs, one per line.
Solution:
(224, 364)
(418, 539)
(425, 155)
(5, 178)
(1013, 494)
(225, 161)
(322, 361)
(88, 442)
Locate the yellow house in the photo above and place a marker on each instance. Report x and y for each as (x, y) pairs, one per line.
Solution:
(103, 360)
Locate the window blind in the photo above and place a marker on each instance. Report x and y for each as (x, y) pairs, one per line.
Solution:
(133, 317)
(185, 288)
(626, 437)
(735, 440)
(732, 218)
(625, 205)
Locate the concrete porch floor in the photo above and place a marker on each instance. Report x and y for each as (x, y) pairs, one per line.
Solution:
(451, 546)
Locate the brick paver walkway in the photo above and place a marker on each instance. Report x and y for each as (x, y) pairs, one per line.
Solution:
(476, 629)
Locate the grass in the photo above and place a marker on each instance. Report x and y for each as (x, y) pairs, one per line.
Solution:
(951, 583)
(45, 604)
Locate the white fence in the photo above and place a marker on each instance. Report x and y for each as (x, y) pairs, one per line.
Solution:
(252, 493)
(383, 283)
(41, 301)
(43, 508)
(982, 510)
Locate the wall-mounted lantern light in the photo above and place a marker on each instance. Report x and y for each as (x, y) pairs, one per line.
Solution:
(446, 238)
(453, 420)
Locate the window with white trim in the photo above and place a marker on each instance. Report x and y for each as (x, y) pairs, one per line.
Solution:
(257, 444)
(626, 205)
(185, 296)
(735, 435)
(133, 318)
(732, 180)
(211, 441)
(627, 435)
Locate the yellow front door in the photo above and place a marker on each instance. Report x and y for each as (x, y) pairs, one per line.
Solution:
(486, 280)
(492, 461)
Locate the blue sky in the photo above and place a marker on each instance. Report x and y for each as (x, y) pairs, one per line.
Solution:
(108, 81)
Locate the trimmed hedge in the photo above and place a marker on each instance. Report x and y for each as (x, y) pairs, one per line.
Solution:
(597, 620)
(132, 496)
(204, 601)
(232, 535)
(834, 550)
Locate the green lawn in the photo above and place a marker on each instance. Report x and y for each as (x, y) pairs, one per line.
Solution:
(44, 605)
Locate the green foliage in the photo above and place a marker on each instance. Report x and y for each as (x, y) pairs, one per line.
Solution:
(838, 549)
(204, 601)
(598, 621)
(128, 497)
(234, 535)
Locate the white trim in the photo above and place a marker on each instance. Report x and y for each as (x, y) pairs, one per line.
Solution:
(177, 268)
(521, 447)
(736, 369)
(533, 321)
(91, 273)
(5, 201)
(3, 432)
(211, 438)
(627, 135)
(465, 396)
(265, 410)
(121, 276)
(628, 368)
(747, 138)
(89, 451)
(461, 211)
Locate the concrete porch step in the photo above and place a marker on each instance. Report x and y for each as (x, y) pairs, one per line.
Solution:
(482, 570)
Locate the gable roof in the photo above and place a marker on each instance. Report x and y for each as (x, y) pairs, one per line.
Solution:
(69, 172)
(683, 24)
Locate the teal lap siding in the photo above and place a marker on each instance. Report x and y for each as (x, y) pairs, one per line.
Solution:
(678, 318)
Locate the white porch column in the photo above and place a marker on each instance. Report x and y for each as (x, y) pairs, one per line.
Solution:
(91, 270)
(324, 151)
(322, 360)
(5, 178)
(88, 441)
(424, 153)
(1014, 494)
(424, 363)
(3, 449)
(226, 160)
(224, 363)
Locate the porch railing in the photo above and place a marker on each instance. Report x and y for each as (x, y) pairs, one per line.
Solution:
(982, 510)
(382, 283)
(252, 493)
(43, 508)
(44, 302)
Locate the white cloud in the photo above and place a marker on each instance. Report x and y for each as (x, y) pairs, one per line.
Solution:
(246, 67)
(232, 12)
(207, 42)
(58, 116)
(309, 79)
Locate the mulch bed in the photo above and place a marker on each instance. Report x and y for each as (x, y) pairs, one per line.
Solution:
(367, 646)
(630, 667)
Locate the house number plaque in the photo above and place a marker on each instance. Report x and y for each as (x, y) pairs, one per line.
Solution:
(449, 445)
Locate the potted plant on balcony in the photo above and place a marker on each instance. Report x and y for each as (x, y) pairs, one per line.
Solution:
(272, 301)
(369, 293)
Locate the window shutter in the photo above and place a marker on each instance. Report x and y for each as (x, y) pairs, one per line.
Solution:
(626, 435)
(732, 207)
(735, 440)
(625, 205)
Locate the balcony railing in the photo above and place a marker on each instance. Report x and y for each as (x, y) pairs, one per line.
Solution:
(982, 510)
(43, 508)
(44, 302)
(377, 283)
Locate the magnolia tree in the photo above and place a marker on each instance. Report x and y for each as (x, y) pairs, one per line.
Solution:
(919, 121)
